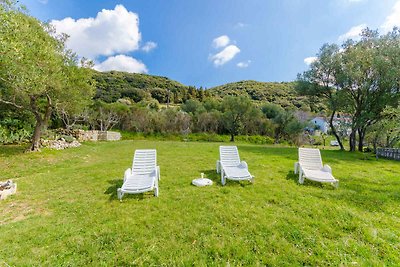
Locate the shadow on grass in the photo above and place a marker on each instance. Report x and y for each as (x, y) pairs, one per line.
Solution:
(292, 176)
(212, 175)
(295, 178)
(117, 183)
(12, 150)
(216, 178)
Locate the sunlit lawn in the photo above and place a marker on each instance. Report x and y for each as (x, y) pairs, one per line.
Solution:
(66, 211)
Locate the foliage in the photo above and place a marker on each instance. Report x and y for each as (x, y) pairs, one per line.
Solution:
(114, 85)
(236, 111)
(282, 94)
(105, 116)
(285, 124)
(232, 115)
(13, 136)
(320, 82)
(193, 106)
(386, 132)
(362, 76)
(37, 74)
(15, 126)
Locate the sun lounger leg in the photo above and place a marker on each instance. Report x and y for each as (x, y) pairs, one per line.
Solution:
(156, 188)
(301, 178)
(336, 184)
(218, 166)
(223, 179)
(120, 194)
(156, 191)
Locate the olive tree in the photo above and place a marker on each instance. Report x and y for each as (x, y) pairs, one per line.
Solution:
(360, 79)
(37, 73)
(320, 80)
(236, 110)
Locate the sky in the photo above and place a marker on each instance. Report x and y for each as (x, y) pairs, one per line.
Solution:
(211, 42)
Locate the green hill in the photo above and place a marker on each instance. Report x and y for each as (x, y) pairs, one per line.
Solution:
(114, 85)
(283, 94)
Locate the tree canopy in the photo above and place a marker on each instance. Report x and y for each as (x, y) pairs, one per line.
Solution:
(37, 73)
(361, 79)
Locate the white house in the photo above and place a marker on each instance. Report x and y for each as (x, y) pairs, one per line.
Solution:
(321, 124)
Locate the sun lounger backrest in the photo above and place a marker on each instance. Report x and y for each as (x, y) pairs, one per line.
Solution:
(310, 158)
(144, 161)
(229, 156)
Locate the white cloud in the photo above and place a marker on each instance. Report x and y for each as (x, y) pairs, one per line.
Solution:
(121, 63)
(392, 20)
(225, 55)
(353, 33)
(347, 3)
(240, 25)
(110, 32)
(244, 64)
(221, 41)
(310, 60)
(43, 1)
(149, 46)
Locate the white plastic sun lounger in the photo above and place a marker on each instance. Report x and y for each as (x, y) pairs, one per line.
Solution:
(230, 166)
(143, 176)
(310, 166)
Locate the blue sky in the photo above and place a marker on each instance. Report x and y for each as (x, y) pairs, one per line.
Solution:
(209, 42)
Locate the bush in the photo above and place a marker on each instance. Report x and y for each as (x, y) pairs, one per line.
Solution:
(208, 137)
(18, 136)
(68, 138)
(255, 139)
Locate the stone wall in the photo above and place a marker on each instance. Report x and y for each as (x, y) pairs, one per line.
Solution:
(97, 136)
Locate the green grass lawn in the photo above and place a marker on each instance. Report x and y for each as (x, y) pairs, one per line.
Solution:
(66, 210)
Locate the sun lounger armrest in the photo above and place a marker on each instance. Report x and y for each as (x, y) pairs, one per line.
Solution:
(244, 164)
(218, 166)
(127, 173)
(327, 168)
(158, 173)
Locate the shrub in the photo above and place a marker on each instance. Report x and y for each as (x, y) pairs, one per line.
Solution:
(18, 136)
(68, 138)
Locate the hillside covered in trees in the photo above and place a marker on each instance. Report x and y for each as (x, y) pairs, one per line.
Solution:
(115, 85)
(283, 94)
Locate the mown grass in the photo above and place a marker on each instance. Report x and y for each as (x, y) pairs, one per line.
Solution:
(66, 212)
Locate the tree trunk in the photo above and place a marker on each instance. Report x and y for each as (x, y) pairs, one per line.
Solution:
(41, 122)
(334, 130)
(168, 98)
(353, 140)
(232, 138)
(361, 135)
(36, 136)
(375, 143)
